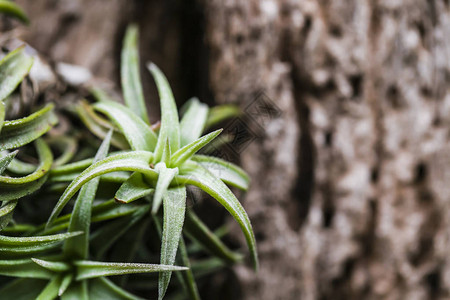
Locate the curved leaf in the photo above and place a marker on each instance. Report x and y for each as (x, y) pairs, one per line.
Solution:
(193, 122)
(138, 134)
(132, 189)
(14, 10)
(80, 220)
(12, 188)
(107, 235)
(21, 168)
(67, 146)
(220, 113)
(99, 126)
(164, 179)
(174, 211)
(137, 161)
(6, 212)
(74, 167)
(100, 212)
(14, 290)
(129, 71)
(170, 127)
(198, 176)
(100, 95)
(24, 252)
(103, 288)
(9, 241)
(94, 269)
(5, 160)
(2, 114)
(226, 171)
(198, 231)
(24, 268)
(54, 266)
(19, 132)
(189, 150)
(13, 68)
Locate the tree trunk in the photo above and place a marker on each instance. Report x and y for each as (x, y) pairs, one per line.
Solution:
(346, 137)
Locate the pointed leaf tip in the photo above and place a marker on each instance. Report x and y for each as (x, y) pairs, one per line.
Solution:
(130, 76)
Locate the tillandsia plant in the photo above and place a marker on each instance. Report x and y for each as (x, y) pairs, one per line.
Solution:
(140, 186)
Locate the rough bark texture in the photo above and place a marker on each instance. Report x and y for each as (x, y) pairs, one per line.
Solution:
(350, 196)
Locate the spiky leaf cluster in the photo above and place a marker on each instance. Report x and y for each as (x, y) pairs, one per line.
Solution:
(149, 173)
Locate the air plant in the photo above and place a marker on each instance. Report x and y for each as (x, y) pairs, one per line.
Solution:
(151, 170)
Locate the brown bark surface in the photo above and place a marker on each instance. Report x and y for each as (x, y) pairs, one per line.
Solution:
(350, 188)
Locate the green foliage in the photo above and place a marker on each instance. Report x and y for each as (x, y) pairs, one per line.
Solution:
(120, 196)
(12, 9)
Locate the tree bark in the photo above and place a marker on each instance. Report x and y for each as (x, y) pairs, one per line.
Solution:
(349, 196)
(349, 193)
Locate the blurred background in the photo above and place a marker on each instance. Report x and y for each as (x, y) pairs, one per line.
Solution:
(345, 131)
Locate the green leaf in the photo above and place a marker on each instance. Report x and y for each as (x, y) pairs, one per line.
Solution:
(134, 239)
(167, 153)
(189, 150)
(107, 235)
(14, 290)
(116, 177)
(50, 292)
(226, 171)
(65, 283)
(75, 167)
(54, 266)
(6, 212)
(25, 268)
(138, 134)
(15, 229)
(6, 160)
(100, 212)
(220, 113)
(72, 170)
(93, 269)
(186, 278)
(2, 114)
(80, 219)
(137, 161)
(132, 189)
(13, 68)
(193, 122)
(12, 188)
(12, 9)
(196, 230)
(77, 290)
(65, 145)
(207, 266)
(164, 179)
(111, 210)
(103, 288)
(170, 127)
(20, 168)
(10, 241)
(174, 211)
(198, 176)
(23, 252)
(129, 71)
(99, 126)
(100, 95)
(214, 147)
(19, 132)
